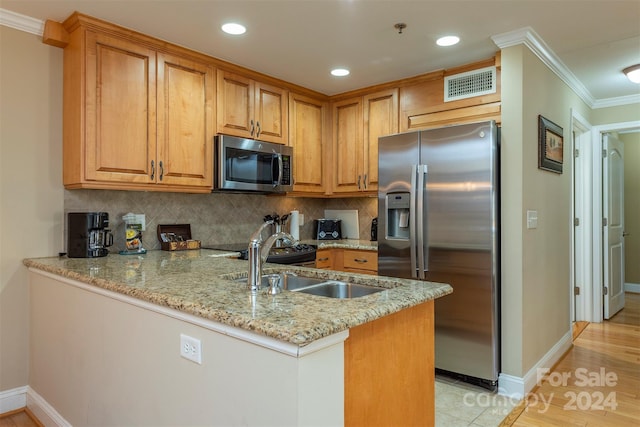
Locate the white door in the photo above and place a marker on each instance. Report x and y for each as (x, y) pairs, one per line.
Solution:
(613, 203)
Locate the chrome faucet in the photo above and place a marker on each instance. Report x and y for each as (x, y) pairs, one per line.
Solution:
(259, 251)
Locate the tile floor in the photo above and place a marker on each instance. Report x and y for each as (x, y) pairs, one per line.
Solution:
(460, 404)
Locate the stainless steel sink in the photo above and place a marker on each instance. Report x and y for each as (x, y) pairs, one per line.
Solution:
(336, 289)
(288, 280)
(317, 286)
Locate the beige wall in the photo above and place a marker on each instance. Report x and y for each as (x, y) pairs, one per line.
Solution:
(619, 114)
(31, 192)
(631, 205)
(535, 262)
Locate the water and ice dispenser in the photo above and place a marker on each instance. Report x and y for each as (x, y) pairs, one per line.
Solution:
(397, 224)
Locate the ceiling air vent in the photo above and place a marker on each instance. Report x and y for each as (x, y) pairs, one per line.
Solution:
(470, 84)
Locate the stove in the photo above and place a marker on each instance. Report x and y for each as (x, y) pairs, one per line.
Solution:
(298, 254)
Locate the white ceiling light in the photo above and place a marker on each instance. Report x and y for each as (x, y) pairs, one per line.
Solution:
(633, 73)
(233, 28)
(340, 72)
(447, 41)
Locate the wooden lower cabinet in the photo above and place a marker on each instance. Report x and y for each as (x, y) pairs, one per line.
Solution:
(389, 370)
(353, 260)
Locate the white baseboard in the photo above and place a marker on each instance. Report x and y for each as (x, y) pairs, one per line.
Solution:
(632, 287)
(13, 399)
(44, 411)
(20, 397)
(518, 387)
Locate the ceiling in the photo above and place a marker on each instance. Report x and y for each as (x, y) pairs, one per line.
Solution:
(301, 41)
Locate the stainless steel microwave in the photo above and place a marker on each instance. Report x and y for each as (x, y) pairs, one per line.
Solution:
(250, 165)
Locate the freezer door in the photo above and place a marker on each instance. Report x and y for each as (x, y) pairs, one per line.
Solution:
(397, 158)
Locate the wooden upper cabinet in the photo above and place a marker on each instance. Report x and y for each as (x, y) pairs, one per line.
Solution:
(251, 109)
(348, 156)
(185, 121)
(422, 105)
(380, 119)
(120, 108)
(307, 136)
(135, 117)
(358, 123)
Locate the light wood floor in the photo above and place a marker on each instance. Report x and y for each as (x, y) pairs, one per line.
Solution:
(19, 418)
(601, 385)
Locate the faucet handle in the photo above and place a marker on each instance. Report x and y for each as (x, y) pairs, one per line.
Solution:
(274, 284)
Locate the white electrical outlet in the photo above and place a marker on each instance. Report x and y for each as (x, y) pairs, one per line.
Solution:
(190, 348)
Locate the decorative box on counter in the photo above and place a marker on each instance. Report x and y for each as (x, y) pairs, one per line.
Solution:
(176, 237)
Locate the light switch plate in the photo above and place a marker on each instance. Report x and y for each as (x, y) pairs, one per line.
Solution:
(532, 219)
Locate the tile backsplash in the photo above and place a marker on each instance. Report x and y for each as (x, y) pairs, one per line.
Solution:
(214, 218)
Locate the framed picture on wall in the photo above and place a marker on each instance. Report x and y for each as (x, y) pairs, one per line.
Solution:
(550, 145)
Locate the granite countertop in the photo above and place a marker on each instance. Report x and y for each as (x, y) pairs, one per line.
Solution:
(366, 245)
(200, 283)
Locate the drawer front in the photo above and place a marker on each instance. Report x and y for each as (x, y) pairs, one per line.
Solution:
(361, 260)
(324, 259)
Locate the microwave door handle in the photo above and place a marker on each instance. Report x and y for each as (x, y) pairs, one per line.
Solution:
(278, 181)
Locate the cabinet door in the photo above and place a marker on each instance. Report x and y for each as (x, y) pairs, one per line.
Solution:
(185, 122)
(380, 118)
(307, 137)
(347, 145)
(120, 108)
(270, 116)
(235, 105)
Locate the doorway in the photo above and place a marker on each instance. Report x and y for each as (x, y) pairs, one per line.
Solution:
(587, 274)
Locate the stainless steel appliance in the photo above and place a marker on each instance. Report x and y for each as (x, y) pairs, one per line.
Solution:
(438, 221)
(88, 235)
(300, 254)
(328, 229)
(249, 165)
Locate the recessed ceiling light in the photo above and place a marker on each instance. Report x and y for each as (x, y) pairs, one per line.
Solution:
(447, 41)
(340, 72)
(233, 28)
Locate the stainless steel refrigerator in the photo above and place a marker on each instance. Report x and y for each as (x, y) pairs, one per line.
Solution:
(438, 220)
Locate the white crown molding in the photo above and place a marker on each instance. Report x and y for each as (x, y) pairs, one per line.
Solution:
(614, 102)
(534, 42)
(21, 22)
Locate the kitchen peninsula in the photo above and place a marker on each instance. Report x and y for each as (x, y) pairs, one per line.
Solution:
(105, 337)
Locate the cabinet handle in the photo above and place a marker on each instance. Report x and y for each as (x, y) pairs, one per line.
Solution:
(258, 130)
(365, 181)
(153, 170)
(359, 176)
(161, 170)
(252, 128)
(360, 260)
(323, 259)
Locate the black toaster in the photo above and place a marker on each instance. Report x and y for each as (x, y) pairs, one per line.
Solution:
(328, 229)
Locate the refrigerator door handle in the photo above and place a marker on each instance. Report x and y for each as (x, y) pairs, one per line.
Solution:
(412, 221)
(420, 208)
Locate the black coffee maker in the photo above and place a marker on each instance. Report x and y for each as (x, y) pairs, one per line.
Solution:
(88, 235)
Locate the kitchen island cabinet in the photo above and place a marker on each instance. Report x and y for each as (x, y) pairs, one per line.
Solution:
(138, 113)
(106, 344)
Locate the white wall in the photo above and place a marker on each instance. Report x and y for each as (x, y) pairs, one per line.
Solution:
(31, 194)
